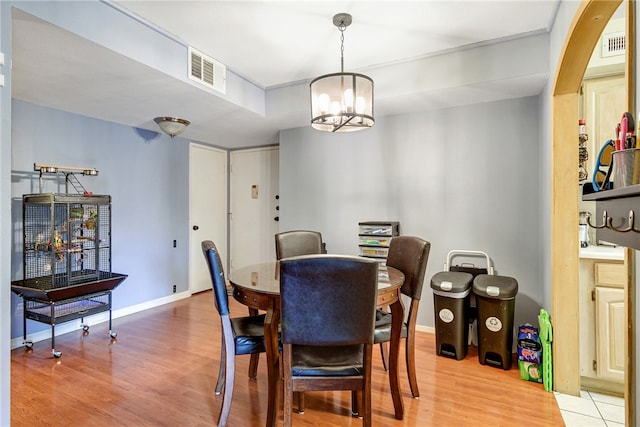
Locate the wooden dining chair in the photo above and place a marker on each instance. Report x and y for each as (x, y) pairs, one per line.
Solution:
(327, 319)
(298, 242)
(240, 335)
(410, 255)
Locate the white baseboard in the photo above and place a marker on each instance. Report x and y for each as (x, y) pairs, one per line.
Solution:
(429, 329)
(74, 325)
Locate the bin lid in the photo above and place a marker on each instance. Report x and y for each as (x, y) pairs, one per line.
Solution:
(451, 281)
(492, 286)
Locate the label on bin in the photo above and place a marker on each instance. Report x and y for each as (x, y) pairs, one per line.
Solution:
(446, 286)
(446, 315)
(493, 324)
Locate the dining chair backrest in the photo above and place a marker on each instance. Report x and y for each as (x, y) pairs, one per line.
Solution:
(218, 281)
(410, 254)
(328, 299)
(298, 242)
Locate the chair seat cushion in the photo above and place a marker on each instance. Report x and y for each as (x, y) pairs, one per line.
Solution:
(249, 334)
(317, 361)
(382, 331)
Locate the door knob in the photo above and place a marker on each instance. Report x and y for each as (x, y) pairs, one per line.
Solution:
(195, 228)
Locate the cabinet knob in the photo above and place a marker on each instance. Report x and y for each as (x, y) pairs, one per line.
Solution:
(195, 228)
(277, 218)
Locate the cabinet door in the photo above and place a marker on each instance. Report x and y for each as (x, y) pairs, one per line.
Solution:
(610, 327)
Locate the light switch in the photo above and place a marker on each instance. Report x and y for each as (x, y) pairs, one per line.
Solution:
(254, 191)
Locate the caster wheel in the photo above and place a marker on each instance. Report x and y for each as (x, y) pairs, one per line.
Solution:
(113, 334)
(85, 328)
(56, 353)
(28, 345)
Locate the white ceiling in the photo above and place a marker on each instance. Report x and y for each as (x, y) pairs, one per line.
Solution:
(272, 44)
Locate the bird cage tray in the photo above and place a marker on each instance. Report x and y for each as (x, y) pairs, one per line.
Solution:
(44, 289)
(68, 309)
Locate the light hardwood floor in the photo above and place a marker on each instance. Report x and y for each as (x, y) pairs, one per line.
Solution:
(163, 367)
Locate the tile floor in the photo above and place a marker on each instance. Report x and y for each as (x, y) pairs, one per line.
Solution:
(591, 410)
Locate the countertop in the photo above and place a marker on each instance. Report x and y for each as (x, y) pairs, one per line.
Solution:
(603, 252)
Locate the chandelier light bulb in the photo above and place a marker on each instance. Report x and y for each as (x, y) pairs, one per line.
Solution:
(323, 103)
(348, 101)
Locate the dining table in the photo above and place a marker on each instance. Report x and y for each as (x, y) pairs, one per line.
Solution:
(258, 287)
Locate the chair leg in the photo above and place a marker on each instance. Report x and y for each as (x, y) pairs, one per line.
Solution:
(365, 393)
(221, 371)
(287, 405)
(253, 365)
(410, 356)
(230, 367)
(384, 353)
(300, 401)
(356, 402)
(253, 362)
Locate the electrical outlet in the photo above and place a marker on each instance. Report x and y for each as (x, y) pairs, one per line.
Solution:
(174, 289)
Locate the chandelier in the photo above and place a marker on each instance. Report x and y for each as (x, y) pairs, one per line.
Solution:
(342, 102)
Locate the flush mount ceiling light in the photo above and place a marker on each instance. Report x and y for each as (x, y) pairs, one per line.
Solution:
(342, 102)
(172, 126)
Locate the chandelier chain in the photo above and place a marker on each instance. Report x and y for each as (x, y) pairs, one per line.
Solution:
(342, 28)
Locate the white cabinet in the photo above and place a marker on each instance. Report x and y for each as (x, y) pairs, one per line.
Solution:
(610, 327)
(610, 320)
(602, 322)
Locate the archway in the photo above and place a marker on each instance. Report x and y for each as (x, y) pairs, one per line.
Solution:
(588, 24)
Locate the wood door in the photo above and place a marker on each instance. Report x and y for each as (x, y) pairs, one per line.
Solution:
(207, 210)
(254, 205)
(604, 102)
(610, 327)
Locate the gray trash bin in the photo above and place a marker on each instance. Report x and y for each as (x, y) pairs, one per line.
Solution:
(495, 300)
(451, 295)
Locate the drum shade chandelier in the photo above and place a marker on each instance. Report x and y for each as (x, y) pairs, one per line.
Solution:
(172, 126)
(342, 102)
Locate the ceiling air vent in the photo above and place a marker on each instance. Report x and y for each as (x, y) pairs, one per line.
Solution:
(613, 44)
(207, 71)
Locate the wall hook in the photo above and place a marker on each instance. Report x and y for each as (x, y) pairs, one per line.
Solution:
(604, 221)
(629, 227)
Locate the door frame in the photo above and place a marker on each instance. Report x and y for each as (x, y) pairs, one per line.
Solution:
(586, 29)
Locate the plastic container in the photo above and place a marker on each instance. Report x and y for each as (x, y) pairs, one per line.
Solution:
(626, 167)
(451, 294)
(495, 300)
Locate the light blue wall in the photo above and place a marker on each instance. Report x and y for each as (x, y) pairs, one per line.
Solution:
(145, 173)
(463, 178)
